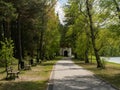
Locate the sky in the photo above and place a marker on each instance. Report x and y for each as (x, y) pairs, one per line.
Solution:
(62, 2)
(59, 10)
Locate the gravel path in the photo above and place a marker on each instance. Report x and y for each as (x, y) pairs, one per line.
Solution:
(68, 76)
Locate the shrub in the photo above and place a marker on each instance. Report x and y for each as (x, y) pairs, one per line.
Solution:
(6, 52)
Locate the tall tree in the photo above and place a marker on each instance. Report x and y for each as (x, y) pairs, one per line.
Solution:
(92, 31)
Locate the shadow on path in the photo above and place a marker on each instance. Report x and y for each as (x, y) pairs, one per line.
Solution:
(68, 76)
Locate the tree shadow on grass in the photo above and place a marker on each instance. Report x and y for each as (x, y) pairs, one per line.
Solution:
(25, 85)
(114, 79)
(47, 64)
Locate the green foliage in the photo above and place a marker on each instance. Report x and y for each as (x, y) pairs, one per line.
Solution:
(105, 24)
(52, 36)
(81, 45)
(7, 11)
(31, 21)
(6, 52)
(77, 27)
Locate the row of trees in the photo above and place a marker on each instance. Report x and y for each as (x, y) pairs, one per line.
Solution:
(31, 27)
(93, 28)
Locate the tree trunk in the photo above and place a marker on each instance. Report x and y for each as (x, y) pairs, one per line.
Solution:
(86, 56)
(8, 31)
(87, 48)
(76, 56)
(42, 38)
(37, 59)
(41, 46)
(1, 32)
(4, 29)
(20, 46)
(88, 6)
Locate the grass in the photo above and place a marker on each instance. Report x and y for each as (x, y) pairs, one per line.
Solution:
(35, 79)
(111, 73)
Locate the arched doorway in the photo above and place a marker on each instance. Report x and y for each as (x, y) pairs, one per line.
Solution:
(66, 53)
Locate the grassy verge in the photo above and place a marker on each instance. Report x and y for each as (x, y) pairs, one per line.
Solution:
(35, 79)
(110, 74)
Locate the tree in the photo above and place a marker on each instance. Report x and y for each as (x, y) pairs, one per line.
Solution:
(52, 36)
(92, 31)
(87, 19)
(28, 29)
(77, 28)
(7, 15)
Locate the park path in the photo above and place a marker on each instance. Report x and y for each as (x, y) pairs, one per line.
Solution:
(68, 76)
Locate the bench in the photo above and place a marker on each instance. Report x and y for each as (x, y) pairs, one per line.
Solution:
(12, 73)
(27, 67)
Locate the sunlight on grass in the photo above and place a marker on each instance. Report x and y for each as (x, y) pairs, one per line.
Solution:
(25, 85)
(34, 79)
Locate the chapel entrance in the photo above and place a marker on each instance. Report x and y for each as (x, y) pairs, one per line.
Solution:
(66, 53)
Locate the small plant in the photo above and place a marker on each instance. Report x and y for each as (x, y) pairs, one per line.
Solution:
(103, 62)
(6, 52)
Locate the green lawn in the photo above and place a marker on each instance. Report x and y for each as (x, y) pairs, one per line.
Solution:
(110, 74)
(35, 79)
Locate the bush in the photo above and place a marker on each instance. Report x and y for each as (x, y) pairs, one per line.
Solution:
(6, 52)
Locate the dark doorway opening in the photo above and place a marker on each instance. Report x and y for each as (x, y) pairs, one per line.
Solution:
(66, 53)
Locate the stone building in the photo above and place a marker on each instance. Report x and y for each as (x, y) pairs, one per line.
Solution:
(66, 51)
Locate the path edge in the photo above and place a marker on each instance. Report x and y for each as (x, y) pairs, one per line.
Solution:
(51, 80)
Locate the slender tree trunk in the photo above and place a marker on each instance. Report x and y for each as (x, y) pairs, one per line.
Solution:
(92, 34)
(86, 57)
(42, 38)
(6, 63)
(87, 49)
(4, 29)
(20, 46)
(37, 52)
(91, 57)
(1, 32)
(41, 45)
(86, 52)
(8, 31)
(75, 55)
